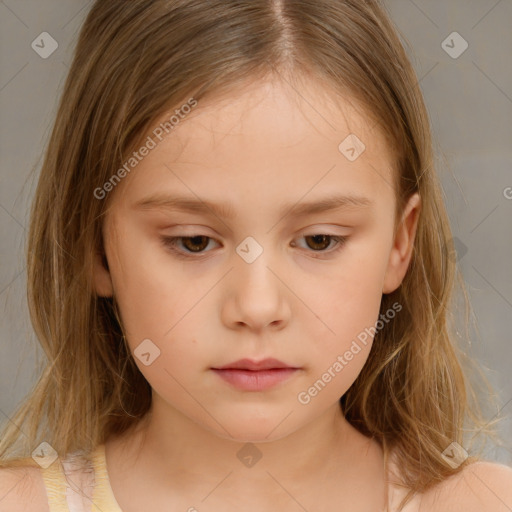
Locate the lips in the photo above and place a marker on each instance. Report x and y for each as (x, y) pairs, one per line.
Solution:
(249, 375)
(249, 364)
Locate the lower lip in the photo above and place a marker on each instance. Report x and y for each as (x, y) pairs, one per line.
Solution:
(260, 380)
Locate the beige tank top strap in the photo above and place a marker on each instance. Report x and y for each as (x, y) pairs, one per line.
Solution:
(104, 497)
(80, 483)
(69, 484)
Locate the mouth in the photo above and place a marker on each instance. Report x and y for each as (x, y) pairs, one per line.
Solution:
(250, 364)
(249, 375)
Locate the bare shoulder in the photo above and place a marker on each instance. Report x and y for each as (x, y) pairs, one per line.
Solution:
(480, 486)
(22, 490)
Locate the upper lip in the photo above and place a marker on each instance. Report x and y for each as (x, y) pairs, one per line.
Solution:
(249, 364)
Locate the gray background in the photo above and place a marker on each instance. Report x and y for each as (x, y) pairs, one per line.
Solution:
(470, 103)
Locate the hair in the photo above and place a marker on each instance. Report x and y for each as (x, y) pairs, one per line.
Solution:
(135, 61)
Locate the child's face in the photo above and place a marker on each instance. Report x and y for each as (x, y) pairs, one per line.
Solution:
(301, 300)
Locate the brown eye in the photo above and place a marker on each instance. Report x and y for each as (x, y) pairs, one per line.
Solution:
(322, 245)
(319, 242)
(195, 243)
(187, 245)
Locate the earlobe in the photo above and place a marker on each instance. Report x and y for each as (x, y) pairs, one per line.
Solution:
(101, 276)
(403, 245)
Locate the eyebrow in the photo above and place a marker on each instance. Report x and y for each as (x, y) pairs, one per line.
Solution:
(225, 210)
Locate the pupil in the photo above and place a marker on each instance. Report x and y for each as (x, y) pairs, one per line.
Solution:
(318, 240)
(196, 240)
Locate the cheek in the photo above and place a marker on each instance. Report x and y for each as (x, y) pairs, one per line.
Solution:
(350, 311)
(158, 301)
(149, 291)
(348, 307)
(352, 294)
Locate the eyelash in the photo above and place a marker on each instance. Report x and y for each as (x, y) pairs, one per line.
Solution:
(170, 242)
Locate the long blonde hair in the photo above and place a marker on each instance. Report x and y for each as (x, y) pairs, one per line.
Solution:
(136, 60)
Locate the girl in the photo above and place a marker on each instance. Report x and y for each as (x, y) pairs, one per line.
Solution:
(240, 271)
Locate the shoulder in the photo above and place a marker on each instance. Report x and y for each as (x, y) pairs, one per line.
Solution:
(480, 486)
(22, 490)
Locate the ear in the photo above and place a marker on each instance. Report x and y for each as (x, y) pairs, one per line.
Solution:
(101, 276)
(403, 245)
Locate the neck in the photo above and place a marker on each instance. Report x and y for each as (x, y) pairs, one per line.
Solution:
(171, 448)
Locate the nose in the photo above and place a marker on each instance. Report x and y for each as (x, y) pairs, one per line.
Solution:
(257, 297)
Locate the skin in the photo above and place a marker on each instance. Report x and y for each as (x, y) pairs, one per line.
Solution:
(266, 146)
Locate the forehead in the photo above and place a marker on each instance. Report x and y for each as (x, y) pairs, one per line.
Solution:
(280, 115)
(269, 133)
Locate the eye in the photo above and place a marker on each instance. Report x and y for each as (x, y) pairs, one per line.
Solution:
(197, 244)
(193, 244)
(321, 242)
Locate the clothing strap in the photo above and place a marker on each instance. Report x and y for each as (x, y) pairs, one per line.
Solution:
(69, 484)
(79, 475)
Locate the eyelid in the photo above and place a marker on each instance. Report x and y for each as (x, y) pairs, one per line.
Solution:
(341, 240)
(170, 242)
